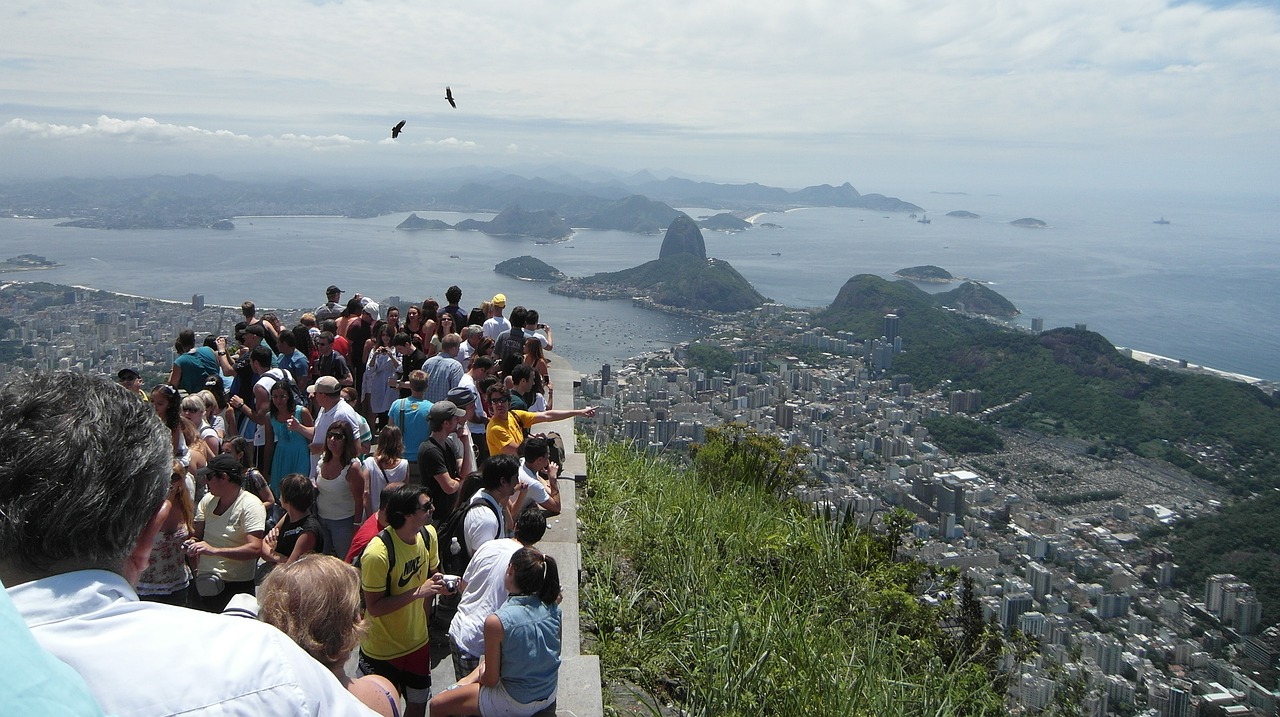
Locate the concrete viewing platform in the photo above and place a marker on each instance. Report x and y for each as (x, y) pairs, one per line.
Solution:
(580, 692)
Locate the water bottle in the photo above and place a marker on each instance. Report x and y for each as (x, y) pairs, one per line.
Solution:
(454, 547)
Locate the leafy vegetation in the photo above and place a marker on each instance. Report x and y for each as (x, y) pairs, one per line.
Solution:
(1241, 541)
(710, 357)
(706, 588)
(963, 435)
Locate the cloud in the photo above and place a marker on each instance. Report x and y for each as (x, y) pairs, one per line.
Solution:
(146, 130)
(658, 83)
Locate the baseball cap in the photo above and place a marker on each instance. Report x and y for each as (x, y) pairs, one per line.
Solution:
(460, 397)
(256, 330)
(325, 384)
(127, 374)
(499, 300)
(332, 290)
(373, 310)
(444, 409)
(221, 463)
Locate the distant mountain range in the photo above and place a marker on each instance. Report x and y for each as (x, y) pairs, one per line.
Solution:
(639, 203)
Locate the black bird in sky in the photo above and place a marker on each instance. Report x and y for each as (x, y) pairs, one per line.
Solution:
(395, 131)
(448, 95)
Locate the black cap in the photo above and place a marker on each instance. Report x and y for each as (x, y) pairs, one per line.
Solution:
(127, 374)
(222, 463)
(332, 290)
(256, 330)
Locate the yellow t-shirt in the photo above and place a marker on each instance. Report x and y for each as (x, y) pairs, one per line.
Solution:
(405, 630)
(511, 431)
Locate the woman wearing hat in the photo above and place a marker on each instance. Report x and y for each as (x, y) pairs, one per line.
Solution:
(229, 525)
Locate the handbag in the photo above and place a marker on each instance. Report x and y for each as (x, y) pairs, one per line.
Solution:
(209, 585)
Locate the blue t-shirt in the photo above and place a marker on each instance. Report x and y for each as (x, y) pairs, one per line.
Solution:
(410, 416)
(297, 365)
(196, 367)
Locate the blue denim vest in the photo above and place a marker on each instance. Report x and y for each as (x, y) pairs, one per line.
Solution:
(530, 647)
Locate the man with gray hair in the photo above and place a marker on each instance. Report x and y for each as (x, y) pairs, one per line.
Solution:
(471, 338)
(84, 468)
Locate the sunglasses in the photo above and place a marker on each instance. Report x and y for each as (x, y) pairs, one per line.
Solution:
(338, 436)
(499, 399)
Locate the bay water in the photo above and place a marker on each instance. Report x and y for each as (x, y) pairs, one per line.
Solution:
(1202, 287)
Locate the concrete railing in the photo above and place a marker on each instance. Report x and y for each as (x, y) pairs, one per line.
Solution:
(580, 692)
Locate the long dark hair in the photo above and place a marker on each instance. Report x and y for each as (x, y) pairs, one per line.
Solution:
(291, 404)
(536, 574)
(349, 443)
(174, 410)
(440, 332)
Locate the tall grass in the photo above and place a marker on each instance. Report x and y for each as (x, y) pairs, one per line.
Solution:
(733, 602)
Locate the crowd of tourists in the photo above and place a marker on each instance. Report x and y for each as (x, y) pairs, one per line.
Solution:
(365, 483)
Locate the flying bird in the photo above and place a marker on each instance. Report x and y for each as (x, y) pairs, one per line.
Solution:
(448, 95)
(395, 131)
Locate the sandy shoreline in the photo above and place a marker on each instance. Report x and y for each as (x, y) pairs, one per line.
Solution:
(1171, 363)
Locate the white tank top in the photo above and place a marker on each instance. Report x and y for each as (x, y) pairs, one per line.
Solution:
(333, 496)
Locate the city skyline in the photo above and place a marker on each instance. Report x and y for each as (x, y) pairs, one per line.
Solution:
(1140, 93)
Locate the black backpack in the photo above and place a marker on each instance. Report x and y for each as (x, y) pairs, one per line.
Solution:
(428, 537)
(451, 562)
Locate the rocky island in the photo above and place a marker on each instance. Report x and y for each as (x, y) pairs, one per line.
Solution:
(962, 214)
(223, 225)
(1029, 222)
(927, 273)
(724, 222)
(416, 223)
(682, 278)
(529, 268)
(514, 221)
(27, 262)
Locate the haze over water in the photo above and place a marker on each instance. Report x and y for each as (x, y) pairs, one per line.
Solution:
(1200, 288)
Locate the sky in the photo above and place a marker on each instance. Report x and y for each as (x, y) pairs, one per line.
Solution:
(886, 94)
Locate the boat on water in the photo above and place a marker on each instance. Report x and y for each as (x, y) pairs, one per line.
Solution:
(1161, 220)
(777, 253)
(925, 220)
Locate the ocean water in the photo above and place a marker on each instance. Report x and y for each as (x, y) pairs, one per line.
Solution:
(1202, 288)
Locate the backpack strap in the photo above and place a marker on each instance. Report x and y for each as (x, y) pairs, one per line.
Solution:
(385, 536)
